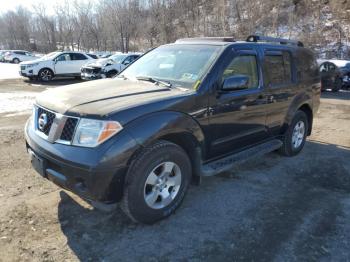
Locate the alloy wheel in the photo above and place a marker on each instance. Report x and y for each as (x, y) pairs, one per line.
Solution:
(162, 185)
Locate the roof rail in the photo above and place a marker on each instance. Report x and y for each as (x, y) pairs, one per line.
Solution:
(201, 39)
(257, 38)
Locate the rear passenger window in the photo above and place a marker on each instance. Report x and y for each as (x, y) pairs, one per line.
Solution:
(77, 56)
(243, 65)
(278, 68)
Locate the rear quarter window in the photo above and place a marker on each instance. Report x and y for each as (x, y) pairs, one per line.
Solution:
(307, 67)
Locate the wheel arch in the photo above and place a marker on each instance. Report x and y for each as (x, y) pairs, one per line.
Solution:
(175, 127)
(301, 102)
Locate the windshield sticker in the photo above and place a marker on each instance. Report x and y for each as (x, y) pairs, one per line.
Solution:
(196, 85)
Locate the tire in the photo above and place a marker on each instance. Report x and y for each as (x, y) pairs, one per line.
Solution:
(142, 182)
(45, 75)
(292, 146)
(16, 61)
(337, 85)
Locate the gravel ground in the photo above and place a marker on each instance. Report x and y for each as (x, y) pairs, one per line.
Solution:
(268, 209)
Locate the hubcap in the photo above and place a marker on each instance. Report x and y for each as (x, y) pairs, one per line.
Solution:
(45, 75)
(298, 134)
(162, 185)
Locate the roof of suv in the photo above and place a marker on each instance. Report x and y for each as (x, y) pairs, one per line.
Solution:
(230, 40)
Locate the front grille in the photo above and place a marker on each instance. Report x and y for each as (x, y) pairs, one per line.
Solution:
(69, 128)
(23, 67)
(50, 117)
(91, 70)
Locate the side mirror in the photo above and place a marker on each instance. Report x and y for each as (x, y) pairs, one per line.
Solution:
(126, 63)
(236, 82)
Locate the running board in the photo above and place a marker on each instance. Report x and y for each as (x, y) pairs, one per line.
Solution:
(226, 163)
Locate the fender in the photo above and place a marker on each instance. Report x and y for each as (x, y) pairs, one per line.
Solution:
(159, 125)
(298, 101)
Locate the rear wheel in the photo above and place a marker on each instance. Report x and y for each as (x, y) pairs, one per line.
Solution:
(16, 61)
(295, 136)
(156, 182)
(45, 75)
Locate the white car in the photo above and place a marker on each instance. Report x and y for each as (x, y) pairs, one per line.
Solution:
(107, 67)
(66, 63)
(17, 56)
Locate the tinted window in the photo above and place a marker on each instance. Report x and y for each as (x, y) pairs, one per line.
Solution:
(63, 57)
(92, 56)
(278, 67)
(77, 56)
(19, 53)
(307, 65)
(243, 65)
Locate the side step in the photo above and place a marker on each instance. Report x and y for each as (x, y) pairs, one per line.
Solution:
(226, 163)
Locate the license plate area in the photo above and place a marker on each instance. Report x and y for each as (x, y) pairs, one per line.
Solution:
(38, 163)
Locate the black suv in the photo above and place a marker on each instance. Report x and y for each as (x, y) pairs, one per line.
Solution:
(182, 111)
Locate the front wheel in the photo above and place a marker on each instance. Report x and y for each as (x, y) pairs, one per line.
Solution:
(295, 136)
(156, 182)
(16, 61)
(45, 75)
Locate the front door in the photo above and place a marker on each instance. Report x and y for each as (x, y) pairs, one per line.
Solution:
(62, 64)
(238, 116)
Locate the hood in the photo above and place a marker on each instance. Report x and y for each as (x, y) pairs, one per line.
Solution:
(31, 62)
(103, 97)
(99, 62)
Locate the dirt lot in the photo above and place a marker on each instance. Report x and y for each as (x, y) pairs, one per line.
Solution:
(272, 208)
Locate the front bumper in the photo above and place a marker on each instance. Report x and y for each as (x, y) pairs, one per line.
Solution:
(95, 174)
(92, 74)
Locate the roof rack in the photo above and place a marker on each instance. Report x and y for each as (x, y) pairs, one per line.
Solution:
(201, 39)
(257, 38)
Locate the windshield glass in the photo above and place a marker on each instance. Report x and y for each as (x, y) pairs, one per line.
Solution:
(180, 65)
(118, 58)
(49, 56)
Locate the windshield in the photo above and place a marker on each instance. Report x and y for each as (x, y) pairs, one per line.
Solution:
(180, 65)
(118, 58)
(49, 56)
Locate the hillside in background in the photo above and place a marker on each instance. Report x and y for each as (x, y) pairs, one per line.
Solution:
(124, 25)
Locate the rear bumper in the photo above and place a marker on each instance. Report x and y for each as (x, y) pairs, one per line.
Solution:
(95, 174)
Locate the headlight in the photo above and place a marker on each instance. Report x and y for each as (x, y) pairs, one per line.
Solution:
(32, 65)
(91, 133)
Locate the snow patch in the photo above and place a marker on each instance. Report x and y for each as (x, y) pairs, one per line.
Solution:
(17, 102)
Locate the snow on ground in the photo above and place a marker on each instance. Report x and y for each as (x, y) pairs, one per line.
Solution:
(16, 103)
(9, 71)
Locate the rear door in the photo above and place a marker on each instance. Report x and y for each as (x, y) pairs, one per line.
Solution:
(77, 61)
(238, 116)
(280, 84)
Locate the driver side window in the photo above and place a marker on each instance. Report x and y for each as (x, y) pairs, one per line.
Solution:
(245, 65)
(63, 57)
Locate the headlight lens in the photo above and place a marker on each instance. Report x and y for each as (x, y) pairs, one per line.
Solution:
(32, 65)
(91, 133)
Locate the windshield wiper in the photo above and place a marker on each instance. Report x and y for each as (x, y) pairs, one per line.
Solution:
(154, 80)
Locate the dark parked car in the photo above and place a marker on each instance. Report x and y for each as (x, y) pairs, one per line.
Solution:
(335, 74)
(182, 111)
